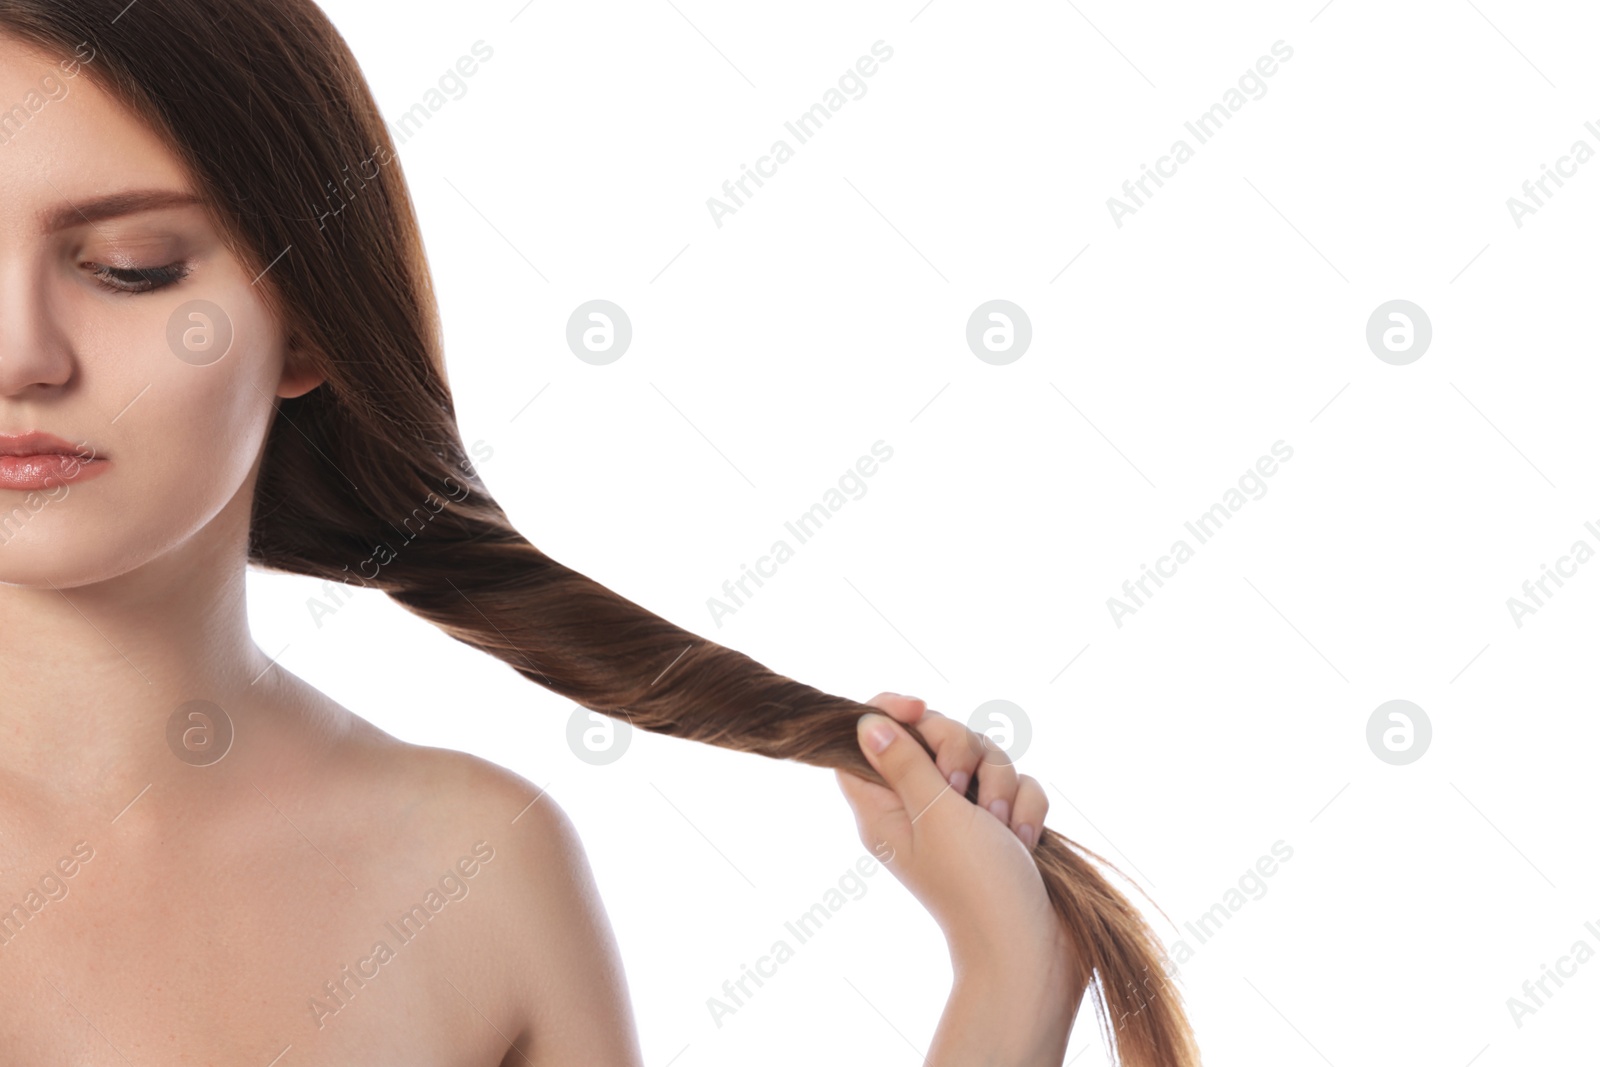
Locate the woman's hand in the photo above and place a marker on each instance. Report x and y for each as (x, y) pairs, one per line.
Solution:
(1017, 981)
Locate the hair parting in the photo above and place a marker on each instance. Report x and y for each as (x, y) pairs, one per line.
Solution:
(269, 110)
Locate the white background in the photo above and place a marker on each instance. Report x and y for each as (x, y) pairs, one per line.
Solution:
(1228, 313)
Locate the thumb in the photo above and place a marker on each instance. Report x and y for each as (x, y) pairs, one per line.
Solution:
(872, 804)
(908, 769)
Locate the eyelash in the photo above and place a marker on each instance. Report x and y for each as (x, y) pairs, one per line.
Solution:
(138, 280)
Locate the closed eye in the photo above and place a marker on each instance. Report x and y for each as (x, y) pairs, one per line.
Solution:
(137, 280)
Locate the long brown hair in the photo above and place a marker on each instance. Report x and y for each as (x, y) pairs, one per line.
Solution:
(268, 108)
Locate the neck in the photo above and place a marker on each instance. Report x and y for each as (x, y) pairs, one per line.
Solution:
(90, 674)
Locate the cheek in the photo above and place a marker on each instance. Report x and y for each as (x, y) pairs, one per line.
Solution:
(211, 360)
(182, 429)
(224, 398)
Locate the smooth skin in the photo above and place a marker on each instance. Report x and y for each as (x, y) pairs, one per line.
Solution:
(1017, 981)
(217, 901)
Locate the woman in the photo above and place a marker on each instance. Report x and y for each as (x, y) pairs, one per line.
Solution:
(198, 370)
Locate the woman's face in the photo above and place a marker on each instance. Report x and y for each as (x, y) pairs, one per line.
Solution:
(127, 329)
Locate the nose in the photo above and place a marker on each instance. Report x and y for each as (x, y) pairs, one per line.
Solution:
(35, 351)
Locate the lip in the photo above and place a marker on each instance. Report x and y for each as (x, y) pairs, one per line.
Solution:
(36, 460)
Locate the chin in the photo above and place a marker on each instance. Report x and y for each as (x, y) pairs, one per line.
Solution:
(50, 566)
(59, 550)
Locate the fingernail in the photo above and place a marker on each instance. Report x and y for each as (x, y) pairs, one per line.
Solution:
(1001, 809)
(1027, 834)
(959, 781)
(880, 735)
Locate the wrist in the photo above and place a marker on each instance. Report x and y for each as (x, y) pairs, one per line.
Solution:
(1047, 965)
(1003, 1018)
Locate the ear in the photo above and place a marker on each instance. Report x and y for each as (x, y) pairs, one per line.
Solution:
(300, 375)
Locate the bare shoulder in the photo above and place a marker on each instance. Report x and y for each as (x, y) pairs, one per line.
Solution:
(540, 926)
(444, 786)
(421, 798)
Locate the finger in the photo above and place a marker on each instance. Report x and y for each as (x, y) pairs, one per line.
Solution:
(910, 771)
(997, 779)
(1028, 811)
(955, 751)
(899, 707)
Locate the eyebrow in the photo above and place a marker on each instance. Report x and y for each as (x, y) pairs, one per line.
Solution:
(115, 206)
